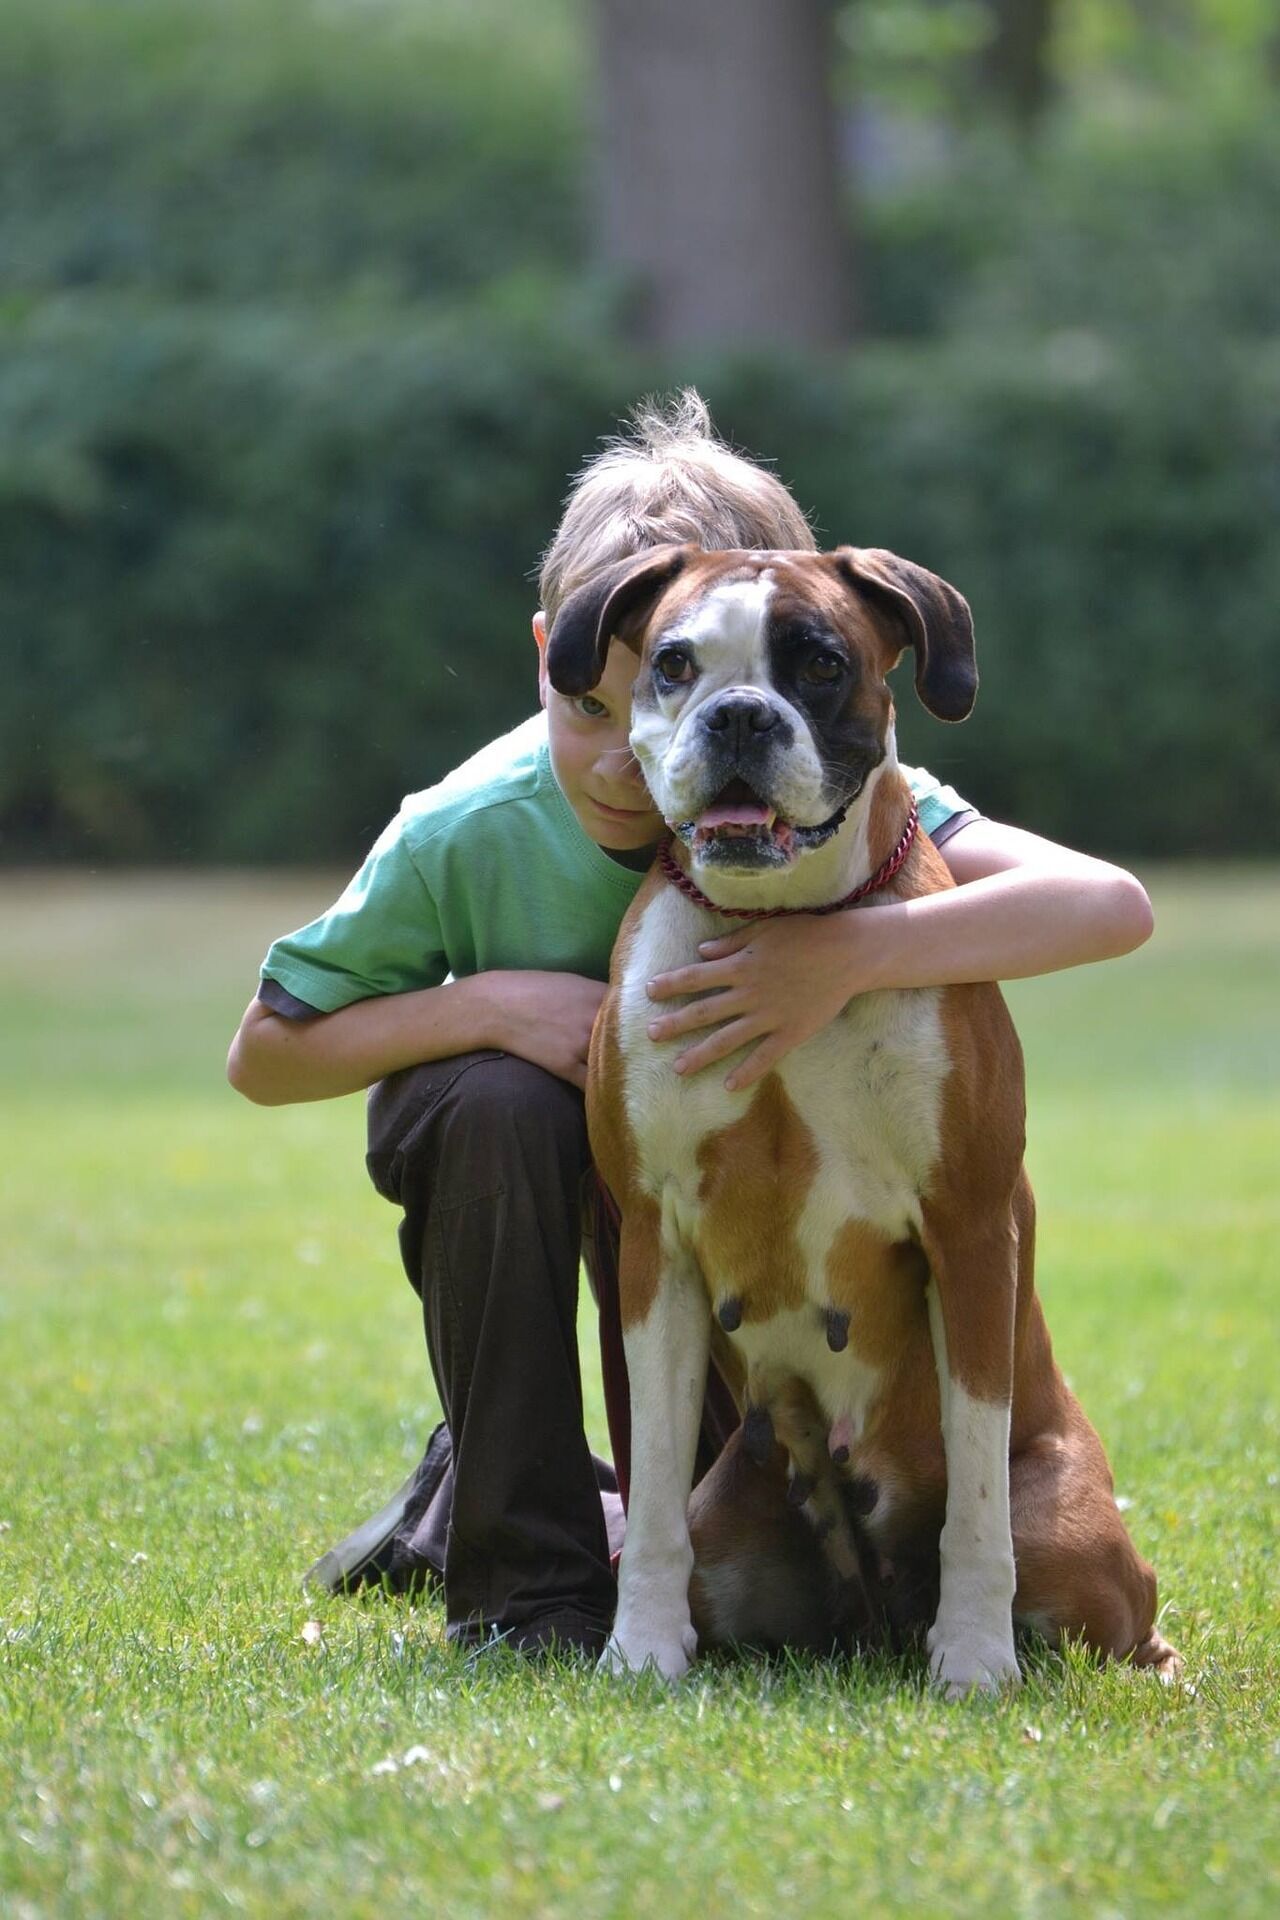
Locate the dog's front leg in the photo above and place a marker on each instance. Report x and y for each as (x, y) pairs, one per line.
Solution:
(666, 1334)
(971, 1311)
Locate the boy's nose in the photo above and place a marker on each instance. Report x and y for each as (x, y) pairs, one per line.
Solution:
(620, 769)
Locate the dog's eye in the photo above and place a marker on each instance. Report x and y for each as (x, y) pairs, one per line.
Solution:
(825, 668)
(675, 666)
(592, 708)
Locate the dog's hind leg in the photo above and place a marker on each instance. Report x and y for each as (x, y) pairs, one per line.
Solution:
(1079, 1575)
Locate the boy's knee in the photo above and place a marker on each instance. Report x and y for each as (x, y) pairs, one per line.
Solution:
(507, 1105)
(474, 1116)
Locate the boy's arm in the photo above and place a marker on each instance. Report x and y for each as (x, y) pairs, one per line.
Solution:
(542, 1017)
(1023, 906)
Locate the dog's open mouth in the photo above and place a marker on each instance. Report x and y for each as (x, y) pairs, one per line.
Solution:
(738, 814)
(741, 829)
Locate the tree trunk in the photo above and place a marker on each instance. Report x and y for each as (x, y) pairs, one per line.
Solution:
(1016, 61)
(718, 187)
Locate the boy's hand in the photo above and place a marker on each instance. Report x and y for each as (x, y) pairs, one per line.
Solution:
(547, 1018)
(1023, 906)
(776, 981)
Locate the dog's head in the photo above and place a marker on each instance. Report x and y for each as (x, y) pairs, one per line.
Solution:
(760, 707)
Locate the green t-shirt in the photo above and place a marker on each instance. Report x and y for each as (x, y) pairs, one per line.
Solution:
(490, 868)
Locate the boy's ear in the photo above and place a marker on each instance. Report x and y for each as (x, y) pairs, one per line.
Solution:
(933, 618)
(611, 605)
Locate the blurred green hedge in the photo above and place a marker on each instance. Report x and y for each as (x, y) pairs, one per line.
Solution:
(288, 149)
(258, 578)
(299, 345)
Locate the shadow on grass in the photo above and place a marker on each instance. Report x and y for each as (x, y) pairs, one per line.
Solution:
(1062, 1681)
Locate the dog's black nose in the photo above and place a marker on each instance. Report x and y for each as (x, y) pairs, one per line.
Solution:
(739, 714)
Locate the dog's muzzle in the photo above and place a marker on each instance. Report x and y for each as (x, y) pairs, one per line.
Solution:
(741, 830)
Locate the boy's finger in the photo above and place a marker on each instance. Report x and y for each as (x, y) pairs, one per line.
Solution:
(757, 1063)
(729, 1038)
(727, 943)
(690, 979)
(707, 1012)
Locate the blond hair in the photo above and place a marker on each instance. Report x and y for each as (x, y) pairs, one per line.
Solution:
(669, 477)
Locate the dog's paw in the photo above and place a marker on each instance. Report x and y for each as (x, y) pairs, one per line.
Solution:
(634, 1648)
(969, 1661)
(1164, 1661)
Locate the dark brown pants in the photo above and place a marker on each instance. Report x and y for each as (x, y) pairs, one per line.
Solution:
(487, 1156)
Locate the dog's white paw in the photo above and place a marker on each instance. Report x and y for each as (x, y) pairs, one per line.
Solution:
(634, 1647)
(969, 1661)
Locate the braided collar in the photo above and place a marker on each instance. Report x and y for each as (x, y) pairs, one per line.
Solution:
(676, 874)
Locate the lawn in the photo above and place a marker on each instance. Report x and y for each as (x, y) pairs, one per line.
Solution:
(213, 1366)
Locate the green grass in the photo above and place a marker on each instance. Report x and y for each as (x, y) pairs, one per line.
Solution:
(212, 1366)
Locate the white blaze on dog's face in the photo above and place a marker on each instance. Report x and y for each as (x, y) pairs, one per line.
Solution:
(760, 712)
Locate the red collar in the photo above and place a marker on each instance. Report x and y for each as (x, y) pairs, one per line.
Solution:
(676, 874)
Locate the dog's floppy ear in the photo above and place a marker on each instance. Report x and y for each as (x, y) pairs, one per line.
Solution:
(935, 620)
(611, 604)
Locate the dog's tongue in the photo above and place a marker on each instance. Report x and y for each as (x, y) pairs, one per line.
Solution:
(736, 813)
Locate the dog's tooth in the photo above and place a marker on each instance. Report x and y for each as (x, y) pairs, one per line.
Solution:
(757, 1434)
(729, 1313)
(837, 1329)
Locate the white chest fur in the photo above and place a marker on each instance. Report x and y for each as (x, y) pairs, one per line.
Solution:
(869, 1091)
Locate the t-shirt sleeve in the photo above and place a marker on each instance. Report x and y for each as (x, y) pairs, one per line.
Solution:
(279, 1000)
(383, 935)
(942, 811)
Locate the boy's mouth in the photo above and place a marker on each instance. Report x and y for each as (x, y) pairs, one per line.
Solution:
(622, 813)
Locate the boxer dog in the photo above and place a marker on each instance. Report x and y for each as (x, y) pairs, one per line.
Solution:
(858, 1225)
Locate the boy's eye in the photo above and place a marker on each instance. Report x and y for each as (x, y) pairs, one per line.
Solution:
(825, 668)
(675, 665)
(593, 709)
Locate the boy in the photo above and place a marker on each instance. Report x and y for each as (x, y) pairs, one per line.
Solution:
(458, 977)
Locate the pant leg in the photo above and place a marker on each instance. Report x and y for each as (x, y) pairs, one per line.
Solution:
(413, 1559)
(486, 1155)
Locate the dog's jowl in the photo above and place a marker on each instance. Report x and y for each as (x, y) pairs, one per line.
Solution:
(855, 1233)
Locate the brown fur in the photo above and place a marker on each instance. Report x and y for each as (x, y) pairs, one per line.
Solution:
(612, 1141)
(879, 1283)
(755, 1179)
(889, 805)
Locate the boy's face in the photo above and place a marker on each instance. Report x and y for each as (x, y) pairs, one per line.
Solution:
(591, 754)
